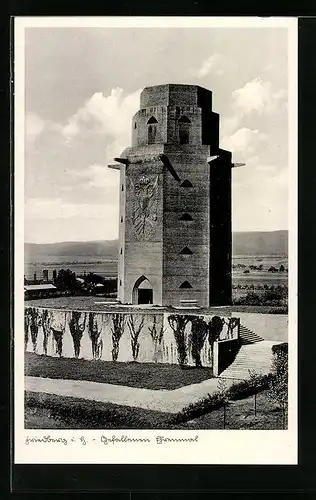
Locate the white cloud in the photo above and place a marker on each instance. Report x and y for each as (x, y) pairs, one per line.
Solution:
(257, 96)
(228, 125)
(213, 64)
(34, 125)
(110, 115)
(244, 142)
(71, 129)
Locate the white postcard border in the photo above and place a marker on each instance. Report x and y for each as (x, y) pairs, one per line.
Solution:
(211, 447)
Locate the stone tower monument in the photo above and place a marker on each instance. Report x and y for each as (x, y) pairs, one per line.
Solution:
(175, 202)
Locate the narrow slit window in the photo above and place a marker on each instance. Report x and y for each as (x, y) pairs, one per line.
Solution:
(152, 130)
(186, 217)
(184, 130)
(121, 219)
(186, 251)
(122, 189)
(121, 251)
(185, 284)
(186, 184)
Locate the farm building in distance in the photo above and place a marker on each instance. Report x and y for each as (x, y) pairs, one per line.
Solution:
(39, 291)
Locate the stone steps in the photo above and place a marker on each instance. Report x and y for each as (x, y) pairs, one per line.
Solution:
(247, 336)
(255, 357)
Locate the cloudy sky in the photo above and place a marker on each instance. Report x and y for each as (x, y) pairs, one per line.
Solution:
(82, 86)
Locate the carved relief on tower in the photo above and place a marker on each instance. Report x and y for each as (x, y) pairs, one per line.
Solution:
(144, 204)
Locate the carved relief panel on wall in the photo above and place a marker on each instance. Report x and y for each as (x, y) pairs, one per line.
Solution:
(144, 192)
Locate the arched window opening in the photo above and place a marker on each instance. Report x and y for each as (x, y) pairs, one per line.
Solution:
(184, 129)
(186, 217)
(151, 134)
(186, 184)
(186, 251)
(152, 130)
(185, 284)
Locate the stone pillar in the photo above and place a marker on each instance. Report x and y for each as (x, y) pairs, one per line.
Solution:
(215, 359)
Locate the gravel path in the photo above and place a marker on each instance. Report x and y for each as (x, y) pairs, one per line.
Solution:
(159, 400)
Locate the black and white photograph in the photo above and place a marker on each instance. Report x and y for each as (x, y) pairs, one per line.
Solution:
(155, 166)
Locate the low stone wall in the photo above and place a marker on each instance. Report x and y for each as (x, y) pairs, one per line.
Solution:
(141, 336)
(268, 326)
(226, 354)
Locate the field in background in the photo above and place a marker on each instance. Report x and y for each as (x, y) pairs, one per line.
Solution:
(108, 267)
(243, 283)
(77, 263)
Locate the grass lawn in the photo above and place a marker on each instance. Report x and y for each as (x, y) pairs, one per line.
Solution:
(141, 375)
(47, 411)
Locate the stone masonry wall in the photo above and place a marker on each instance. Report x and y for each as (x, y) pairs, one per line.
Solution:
(142, 255)
(92, 335)
(178, 234)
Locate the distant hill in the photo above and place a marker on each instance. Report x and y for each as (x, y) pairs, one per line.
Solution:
(244, 243)
(106, 249)
(260, 243)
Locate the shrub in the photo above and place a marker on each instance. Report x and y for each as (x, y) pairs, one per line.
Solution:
(134, 333)
(58, 337)
(76, 330)
(46, 320)
(34, 325)
(251, 298)
(117, 332)
(156, 336)
(223, 394)
(199, 331)
(94, 334)
(279, 385)
(218, 399)
(245, 388)
(26, 327)
(194, 410)
(215, 328)
(280, 348)
(66, 281)
(274, 295)
(177, 324)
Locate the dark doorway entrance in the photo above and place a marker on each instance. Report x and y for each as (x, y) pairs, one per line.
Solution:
(145, 296)
(143, 291)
